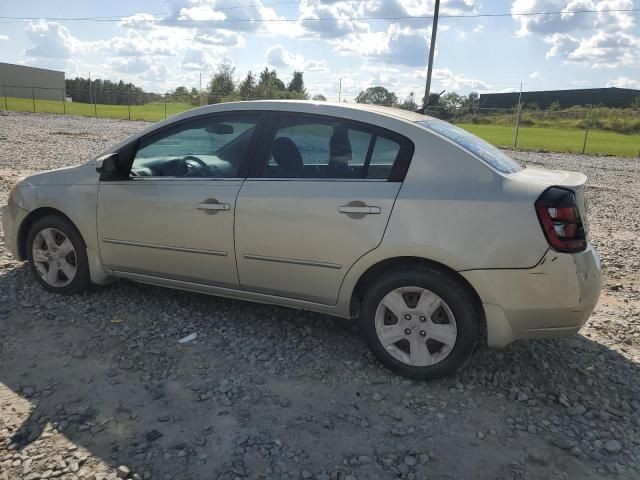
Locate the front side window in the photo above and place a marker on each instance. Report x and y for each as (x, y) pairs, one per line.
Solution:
(311, 147)
(208, 147)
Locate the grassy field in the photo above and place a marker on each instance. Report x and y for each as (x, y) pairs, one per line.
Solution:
(599, 142)
(552, 139)
(151, 112)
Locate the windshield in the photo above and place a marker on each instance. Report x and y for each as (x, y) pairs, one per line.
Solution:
(487, 152)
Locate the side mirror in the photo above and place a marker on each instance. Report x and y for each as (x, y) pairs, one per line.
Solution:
(108, 167)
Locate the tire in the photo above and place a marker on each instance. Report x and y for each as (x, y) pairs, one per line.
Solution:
(431, 302)
(70, 273)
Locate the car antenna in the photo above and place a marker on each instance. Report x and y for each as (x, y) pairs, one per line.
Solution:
(423, 108)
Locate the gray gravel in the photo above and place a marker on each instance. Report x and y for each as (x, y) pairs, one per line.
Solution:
(97, 386)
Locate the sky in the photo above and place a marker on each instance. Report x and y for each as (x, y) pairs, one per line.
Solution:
(162, 44)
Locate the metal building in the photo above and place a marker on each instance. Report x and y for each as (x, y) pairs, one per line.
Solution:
(30, 82)
(607, 97)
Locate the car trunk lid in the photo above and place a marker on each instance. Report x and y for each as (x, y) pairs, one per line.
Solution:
(574, 181)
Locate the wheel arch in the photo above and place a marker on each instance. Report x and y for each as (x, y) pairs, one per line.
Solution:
(380, 268)
(33, 217)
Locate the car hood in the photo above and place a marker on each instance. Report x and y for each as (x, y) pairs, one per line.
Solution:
(79, 175)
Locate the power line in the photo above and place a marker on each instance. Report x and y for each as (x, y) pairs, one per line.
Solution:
(322, 19)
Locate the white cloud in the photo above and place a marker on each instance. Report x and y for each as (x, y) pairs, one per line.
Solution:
(221, 37)
(278, 56)
(535, 75)
(50, 40)
(4, 37)
(139, 21)
(603, 40)
(446, 79)
(397, 45)
(214, 14)
(197, 59)
(602, 50)
(342, 14)
(319, 66)
(200, 13)
(130, 64)
(135, 44)
(546, 24)
(624, 82)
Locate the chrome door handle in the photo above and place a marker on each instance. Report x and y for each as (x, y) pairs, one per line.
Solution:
(363, 210)
(213, 206)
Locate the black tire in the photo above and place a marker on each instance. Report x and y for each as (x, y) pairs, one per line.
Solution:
(455, 294)
(82, 278)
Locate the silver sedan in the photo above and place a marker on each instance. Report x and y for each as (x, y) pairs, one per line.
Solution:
(438, 242)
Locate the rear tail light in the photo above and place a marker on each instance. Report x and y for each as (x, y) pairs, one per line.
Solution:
(560, 220)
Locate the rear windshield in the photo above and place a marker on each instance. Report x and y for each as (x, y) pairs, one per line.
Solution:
(487, 152)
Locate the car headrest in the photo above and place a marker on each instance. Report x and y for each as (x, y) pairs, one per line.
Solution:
(286, 154)
(340, 145)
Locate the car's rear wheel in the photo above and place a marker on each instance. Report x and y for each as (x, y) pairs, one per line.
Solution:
(420, 322)
(58, 256)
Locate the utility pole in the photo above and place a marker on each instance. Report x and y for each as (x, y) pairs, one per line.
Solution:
(340, 91)
(200, 88)
(515, 140)
(90, 99)
(432, 51)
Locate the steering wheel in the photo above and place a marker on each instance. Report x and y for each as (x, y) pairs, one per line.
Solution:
(193, 165)
(192, 158)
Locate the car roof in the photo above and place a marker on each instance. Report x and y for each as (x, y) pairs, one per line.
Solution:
(354, 111)
(311, 106)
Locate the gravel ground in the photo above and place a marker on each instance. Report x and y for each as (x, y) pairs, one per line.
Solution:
(97, 386)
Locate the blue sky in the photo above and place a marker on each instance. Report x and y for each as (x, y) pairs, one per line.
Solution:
(161, 44)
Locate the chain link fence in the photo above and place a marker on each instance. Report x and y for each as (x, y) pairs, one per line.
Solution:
(126, 104)
(587, 130)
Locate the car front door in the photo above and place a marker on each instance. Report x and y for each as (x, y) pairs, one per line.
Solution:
(317, 200)
(173, 216)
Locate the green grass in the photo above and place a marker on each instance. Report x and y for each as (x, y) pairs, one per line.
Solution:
(552, 139)
(599, 142)
(151, 112)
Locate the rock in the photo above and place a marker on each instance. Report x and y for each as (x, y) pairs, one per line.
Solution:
(576, 410)
(561, 442)
(613, 446)
(123, 471)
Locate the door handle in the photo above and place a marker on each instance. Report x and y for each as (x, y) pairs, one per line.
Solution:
(212, 204)
(358, 209)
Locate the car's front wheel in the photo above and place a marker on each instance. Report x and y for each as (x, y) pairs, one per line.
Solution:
(58, 256)
(420, 322)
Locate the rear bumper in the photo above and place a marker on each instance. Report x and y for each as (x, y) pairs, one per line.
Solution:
(12, 217)
(555, 298)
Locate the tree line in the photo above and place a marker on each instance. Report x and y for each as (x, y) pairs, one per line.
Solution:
(108, 92)
(265, 85)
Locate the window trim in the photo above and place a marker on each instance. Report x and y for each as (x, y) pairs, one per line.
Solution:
(272, 124)
(128, 152)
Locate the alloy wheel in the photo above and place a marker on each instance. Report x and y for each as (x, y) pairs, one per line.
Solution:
(54, 257)
(415, 326)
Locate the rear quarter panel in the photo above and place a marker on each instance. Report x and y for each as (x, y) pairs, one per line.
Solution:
(454, 209)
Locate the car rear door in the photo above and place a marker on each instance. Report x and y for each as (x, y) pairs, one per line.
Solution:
(173, 217)
(318, 198)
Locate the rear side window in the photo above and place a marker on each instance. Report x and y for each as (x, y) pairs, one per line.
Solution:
(491, 155)
(312, 146)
